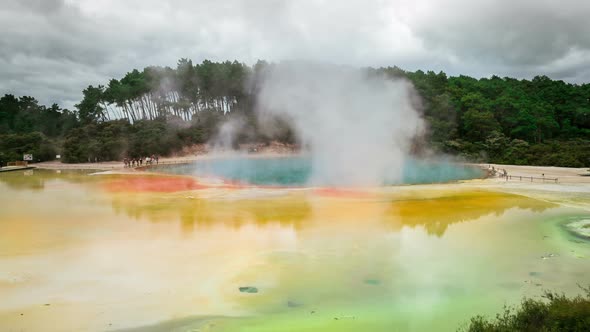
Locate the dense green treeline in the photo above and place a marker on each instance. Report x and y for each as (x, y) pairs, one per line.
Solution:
(160, 110)
(504, 120)
(27, 127)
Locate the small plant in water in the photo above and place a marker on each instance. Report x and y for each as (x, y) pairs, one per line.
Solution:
(556, 313)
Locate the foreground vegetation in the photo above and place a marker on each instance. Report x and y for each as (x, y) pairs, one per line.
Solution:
(160, 110)
(557, 313)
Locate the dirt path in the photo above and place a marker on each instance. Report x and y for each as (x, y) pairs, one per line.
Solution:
(118, 165)
(563, 174)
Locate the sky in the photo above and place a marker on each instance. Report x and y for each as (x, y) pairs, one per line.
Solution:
(53, 49)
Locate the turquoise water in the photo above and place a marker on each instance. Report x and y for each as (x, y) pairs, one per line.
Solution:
(296, 171)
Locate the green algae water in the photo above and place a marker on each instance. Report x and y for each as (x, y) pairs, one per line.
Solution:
(153, 252)
(296, 171)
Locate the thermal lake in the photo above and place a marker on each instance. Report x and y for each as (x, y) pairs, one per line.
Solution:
(298, 171)
(169, 252)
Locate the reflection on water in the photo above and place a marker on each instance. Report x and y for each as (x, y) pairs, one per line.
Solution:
(433, 210)
(193, 211)
(117, 252)
(35, 179)
(436, 213)
(24, 180)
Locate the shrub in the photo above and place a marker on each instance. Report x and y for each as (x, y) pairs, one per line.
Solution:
(556, 313)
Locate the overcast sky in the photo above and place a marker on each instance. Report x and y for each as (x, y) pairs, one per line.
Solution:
(52, 49)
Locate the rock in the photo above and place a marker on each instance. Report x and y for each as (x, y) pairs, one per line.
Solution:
(248, 289)
(372, 282)
(293, 304)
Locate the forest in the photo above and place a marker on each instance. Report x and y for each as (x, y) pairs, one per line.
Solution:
(160, 110)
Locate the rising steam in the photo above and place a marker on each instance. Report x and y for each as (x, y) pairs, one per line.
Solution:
(358, 127)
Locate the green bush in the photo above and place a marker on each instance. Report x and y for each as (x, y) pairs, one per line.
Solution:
(556, 313)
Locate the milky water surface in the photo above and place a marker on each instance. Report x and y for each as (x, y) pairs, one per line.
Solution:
(160, 253)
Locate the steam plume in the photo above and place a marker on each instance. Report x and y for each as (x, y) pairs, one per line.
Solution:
(358, 127)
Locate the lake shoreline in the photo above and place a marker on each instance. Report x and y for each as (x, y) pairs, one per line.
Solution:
(118, 165)
(568, 175)
(563, 174)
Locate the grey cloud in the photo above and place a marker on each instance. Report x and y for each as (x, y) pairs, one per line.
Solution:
(532, 37)
(52, 49)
